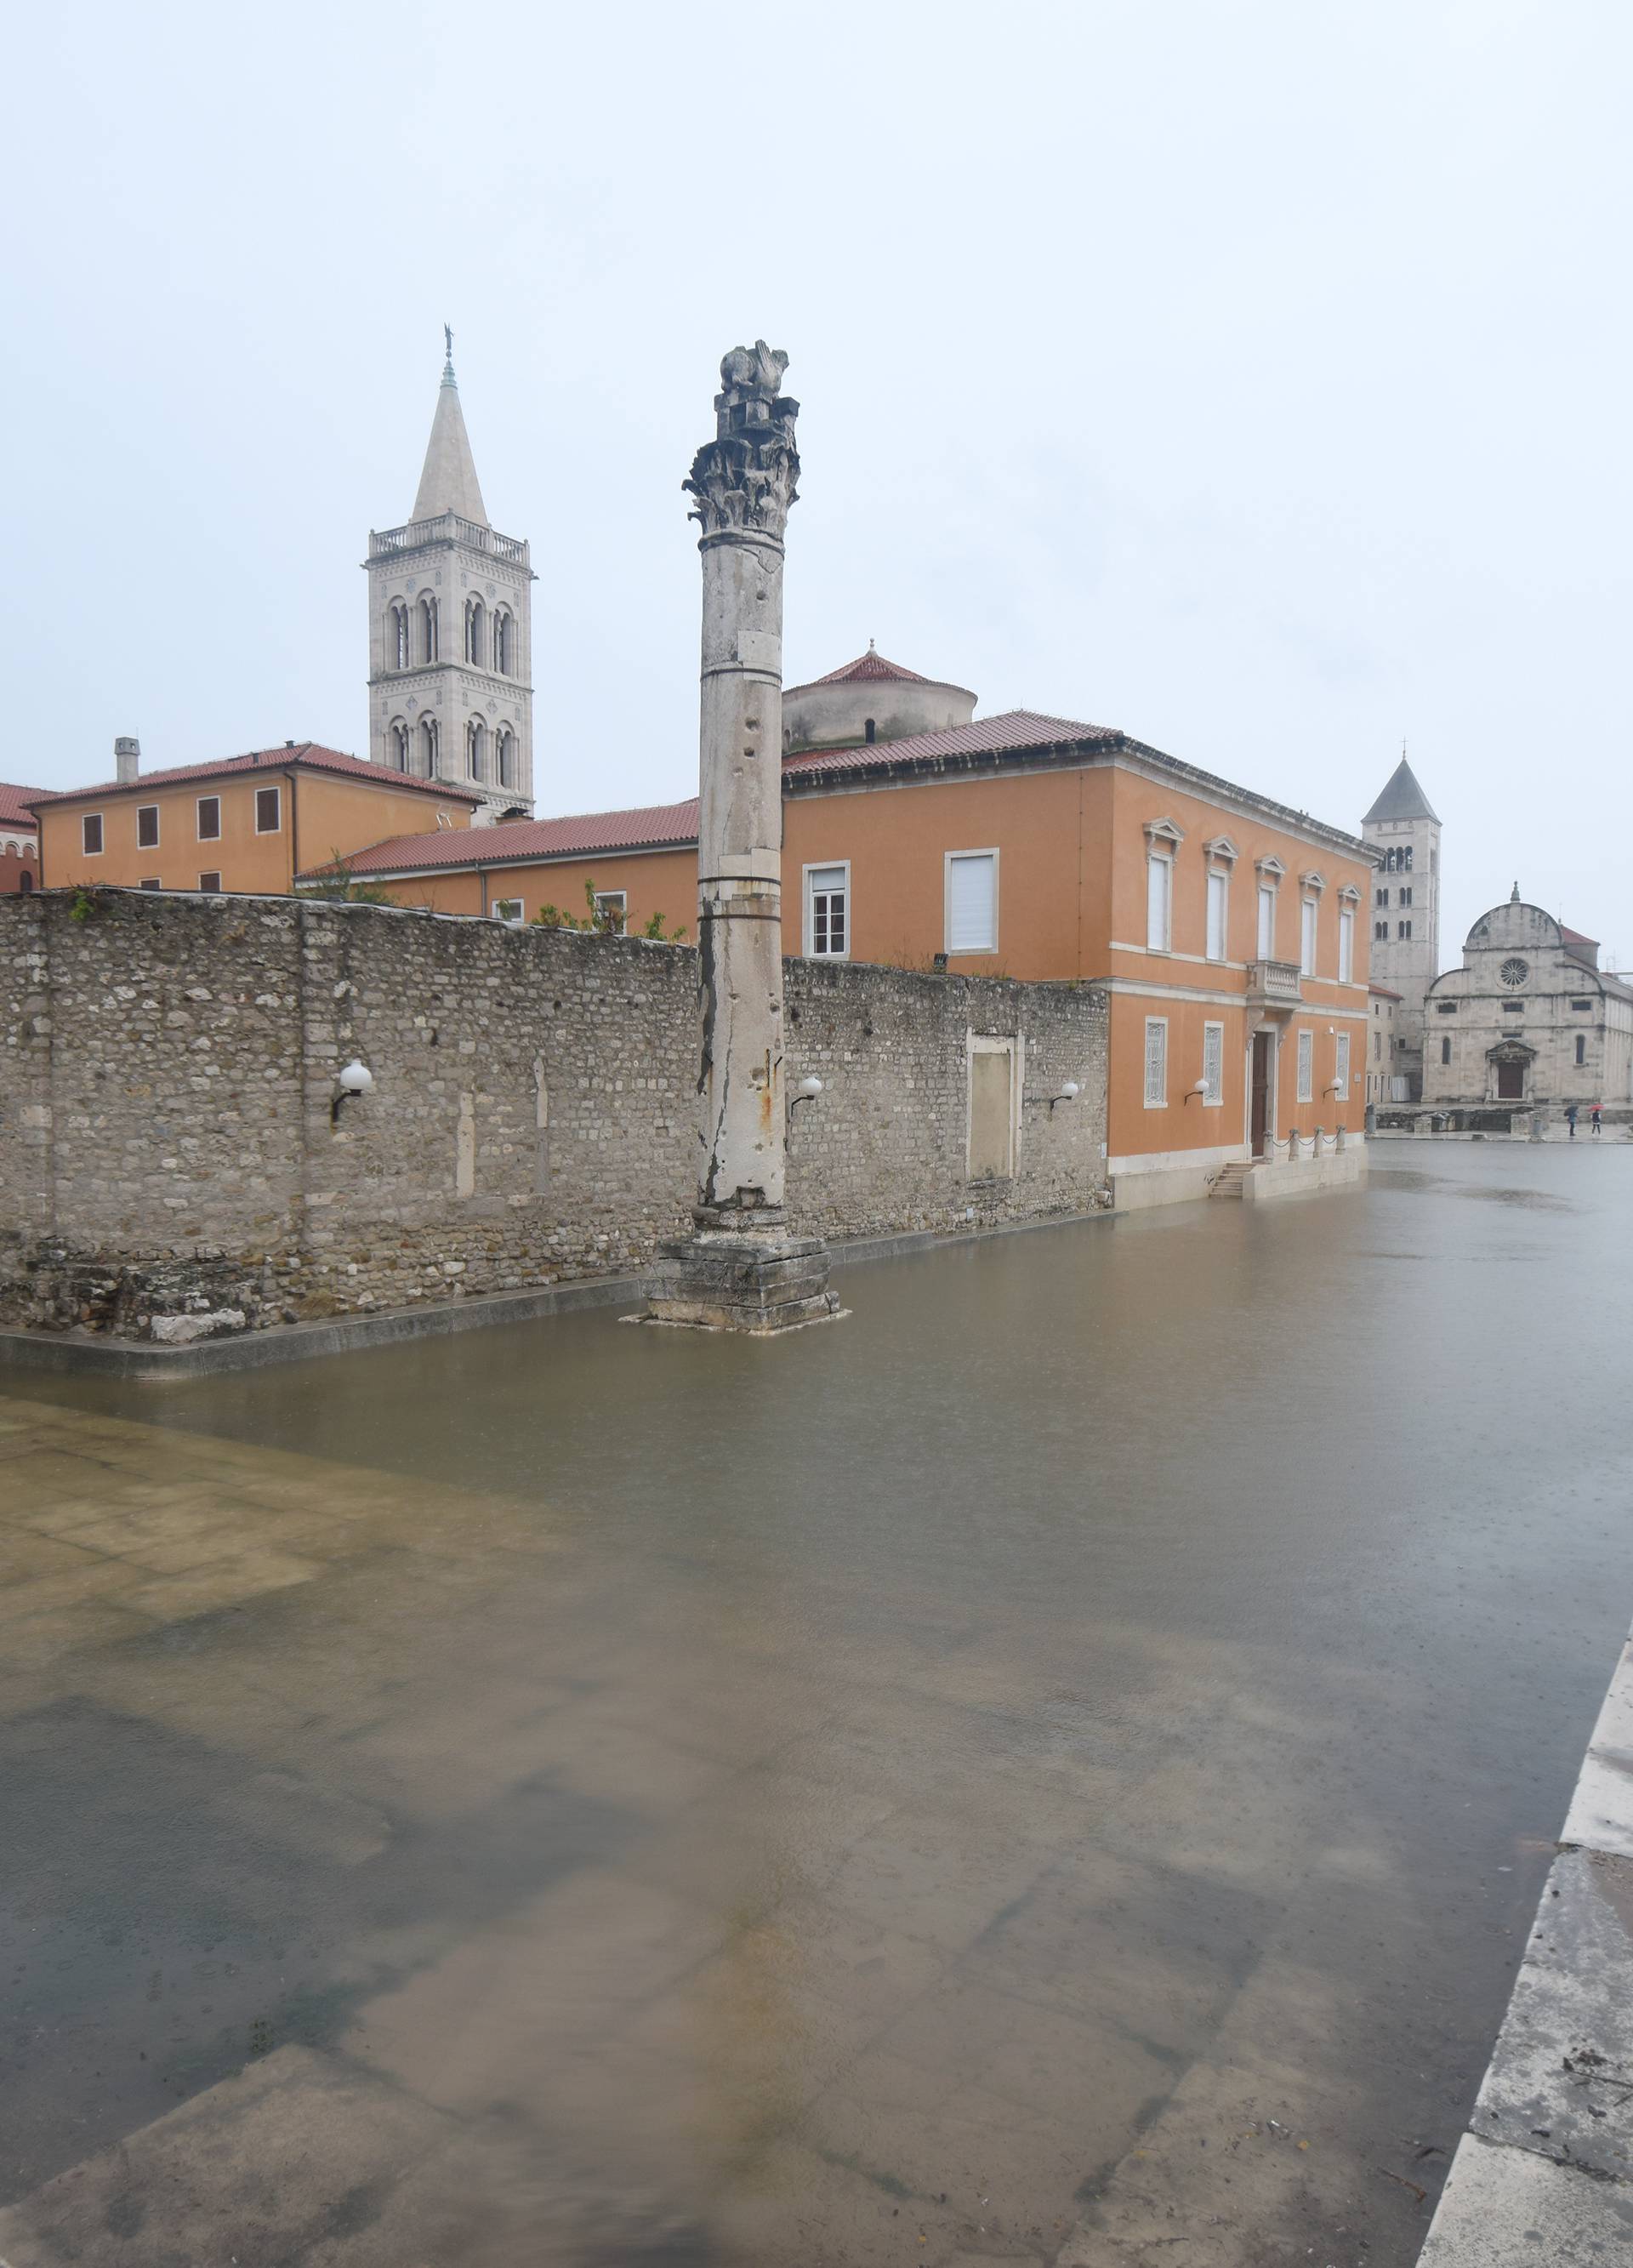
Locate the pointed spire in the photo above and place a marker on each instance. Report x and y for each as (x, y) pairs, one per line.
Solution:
(449, 482)
(1402, 798)
(1514, 895)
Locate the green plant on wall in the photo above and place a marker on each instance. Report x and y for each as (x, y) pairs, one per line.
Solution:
(602, 920)
(336, 882)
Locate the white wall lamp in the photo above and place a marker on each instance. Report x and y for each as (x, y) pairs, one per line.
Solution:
(807, 1091)
(1201, 1087)
(355, 1078)
(1069, 1091)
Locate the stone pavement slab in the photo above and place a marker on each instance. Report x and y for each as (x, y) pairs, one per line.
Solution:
(1600, 1817)
(1503, 2208)
(1561, 2082)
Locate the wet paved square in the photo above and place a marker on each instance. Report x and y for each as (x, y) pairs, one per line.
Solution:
(1069, 1754)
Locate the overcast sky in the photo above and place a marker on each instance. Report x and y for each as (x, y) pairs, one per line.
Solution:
(1252, 377)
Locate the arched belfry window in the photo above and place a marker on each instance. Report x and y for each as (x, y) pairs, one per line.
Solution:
(475, 627)
(871, 729)
(506, 743)
(503, 641)
(428, 747)
(476, 748)
(428, 629)
(398, 655)
(397, 746)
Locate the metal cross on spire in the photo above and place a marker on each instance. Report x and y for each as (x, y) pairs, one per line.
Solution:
(447, 367)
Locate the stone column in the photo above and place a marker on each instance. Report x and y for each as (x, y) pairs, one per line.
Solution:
(741, 1271)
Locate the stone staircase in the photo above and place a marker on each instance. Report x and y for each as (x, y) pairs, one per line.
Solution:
(1227, 1182)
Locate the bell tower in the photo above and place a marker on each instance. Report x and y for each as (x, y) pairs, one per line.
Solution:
(1404, 830)
(451, 631)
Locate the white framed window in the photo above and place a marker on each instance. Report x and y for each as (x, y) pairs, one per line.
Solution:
(1159, 902)
(612, 910)
(1308, 910)
(1213, 1065)
(1341, 1066)
(210, 885)
(147, 827)
(209, 818)
(972, 901)
(1219, 912)
(1267, 921)
(1156, 1063)
(1307, 1067)
(509, 910)
(1346, 945)
(91, 834)
(827, 912)
(151, 883)
(268, 810)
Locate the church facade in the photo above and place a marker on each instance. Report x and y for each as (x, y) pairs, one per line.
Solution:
(451, 633)
(1529, 1019)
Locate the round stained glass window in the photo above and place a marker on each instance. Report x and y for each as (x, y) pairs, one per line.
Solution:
(1513, 970)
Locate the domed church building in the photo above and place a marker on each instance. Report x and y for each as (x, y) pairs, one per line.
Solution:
(1529, 1019)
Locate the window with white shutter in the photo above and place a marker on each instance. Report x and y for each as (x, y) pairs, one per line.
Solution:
(1219, 905)
(1346, 945)
(1307, 1067)
(971, 902)
(1158, 902)
(1156, 1062)
(1306, 936)
(1212, 1064)
(1267, 921)
(827, 911)
(1341, 1066)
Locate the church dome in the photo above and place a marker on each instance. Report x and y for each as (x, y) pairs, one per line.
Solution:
(870, 699)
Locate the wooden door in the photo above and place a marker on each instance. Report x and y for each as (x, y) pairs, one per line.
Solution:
(1259, 1119)
(1511, 1082)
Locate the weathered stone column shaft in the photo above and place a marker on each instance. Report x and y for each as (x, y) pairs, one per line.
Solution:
(739, 892)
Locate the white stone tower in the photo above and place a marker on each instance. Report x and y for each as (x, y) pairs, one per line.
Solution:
(1401, 826)
(451, 632)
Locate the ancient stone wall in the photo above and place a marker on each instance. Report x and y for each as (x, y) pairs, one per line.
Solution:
(171, 1164)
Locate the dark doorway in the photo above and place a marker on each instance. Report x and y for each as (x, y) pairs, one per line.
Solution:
(1511, 1082)
(1259, 1119)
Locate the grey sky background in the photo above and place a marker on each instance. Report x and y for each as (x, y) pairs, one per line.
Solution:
(1253, 377)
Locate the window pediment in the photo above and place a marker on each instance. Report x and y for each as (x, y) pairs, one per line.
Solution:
(1270, 870)
(1221, 847)
(1349, 896)
(1313, 882)
(1164, 835)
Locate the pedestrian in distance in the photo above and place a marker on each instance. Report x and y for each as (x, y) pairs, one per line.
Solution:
(1594, 1117)
(1570, 1119)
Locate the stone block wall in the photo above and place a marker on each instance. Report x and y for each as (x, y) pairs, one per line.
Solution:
(171, 1165)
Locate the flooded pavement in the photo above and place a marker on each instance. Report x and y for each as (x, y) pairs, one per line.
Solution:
(1092, 1727)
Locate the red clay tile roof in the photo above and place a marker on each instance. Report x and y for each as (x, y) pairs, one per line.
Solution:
(1014, 729)
(307, 753)
(1575, 936)
(653, 827)
(868, 665)
(674, 825)
(14, 805)
(1382, 992)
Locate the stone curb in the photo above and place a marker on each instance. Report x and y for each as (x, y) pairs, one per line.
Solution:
(140, 1361)
(1545, 2173)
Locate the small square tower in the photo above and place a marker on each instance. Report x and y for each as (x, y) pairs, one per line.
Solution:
(451, 632)
(1403, 827)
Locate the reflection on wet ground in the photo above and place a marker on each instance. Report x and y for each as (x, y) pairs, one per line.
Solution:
(1081, 1741)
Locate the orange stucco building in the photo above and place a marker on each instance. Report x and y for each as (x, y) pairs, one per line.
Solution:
(1226, 926)
(249, 823)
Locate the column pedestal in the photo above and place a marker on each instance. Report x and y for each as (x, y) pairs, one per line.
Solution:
(736, 1280)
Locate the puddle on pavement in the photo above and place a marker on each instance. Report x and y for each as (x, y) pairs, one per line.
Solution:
(608, 1796)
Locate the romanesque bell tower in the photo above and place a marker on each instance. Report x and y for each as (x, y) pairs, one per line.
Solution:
(451, 632)
(1402, 829)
